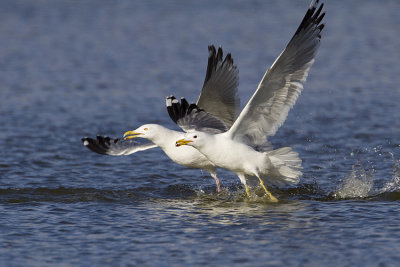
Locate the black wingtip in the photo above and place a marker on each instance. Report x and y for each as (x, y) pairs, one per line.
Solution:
(319, 19)
(173, 108)
(99, 145)
(215, 59)
(316, 14)
(228, 60)
(211, 50)
(312, 16)
(220, 54)
(177, 110)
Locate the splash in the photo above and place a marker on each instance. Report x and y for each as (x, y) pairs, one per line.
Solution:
(357, 184)
(394, 184)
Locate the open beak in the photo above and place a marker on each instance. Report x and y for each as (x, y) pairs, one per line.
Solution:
(182, 142)
(131, 134)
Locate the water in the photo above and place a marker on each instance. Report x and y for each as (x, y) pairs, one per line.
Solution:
(70, 69)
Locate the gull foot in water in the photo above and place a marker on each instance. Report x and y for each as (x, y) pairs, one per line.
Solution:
(247, 191)
(271, 197)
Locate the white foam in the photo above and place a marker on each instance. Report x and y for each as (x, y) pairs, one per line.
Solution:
(357, 184)
(394, 184)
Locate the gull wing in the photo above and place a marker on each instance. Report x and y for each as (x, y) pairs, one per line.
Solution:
(219, 95)
(191, 117)
(115, 146)
(218, 103)
(282, 83)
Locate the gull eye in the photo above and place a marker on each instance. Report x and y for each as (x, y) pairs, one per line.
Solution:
(195, 136)
(145, 129)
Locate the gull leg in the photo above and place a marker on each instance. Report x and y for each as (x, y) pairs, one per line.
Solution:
(247, 190)
(214, 175)
(271, 197)
(242, 178)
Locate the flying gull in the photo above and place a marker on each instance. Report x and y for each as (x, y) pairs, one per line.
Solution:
(265, 112)
(215, 111)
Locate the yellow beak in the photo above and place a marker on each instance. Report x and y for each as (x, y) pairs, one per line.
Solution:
(131, 134)
(182, 142)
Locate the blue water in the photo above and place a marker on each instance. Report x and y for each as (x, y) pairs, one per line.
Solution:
(70, 69)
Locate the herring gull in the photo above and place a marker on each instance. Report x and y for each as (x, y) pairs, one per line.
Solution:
(215, 111)
(266, 111)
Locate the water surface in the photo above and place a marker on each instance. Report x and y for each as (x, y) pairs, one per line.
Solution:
(70, 69)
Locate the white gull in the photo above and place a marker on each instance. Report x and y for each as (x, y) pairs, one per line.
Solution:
(215, 111)
(238, 149)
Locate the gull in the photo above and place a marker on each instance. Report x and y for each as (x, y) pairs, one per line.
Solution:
(237, 149)
(215, 111)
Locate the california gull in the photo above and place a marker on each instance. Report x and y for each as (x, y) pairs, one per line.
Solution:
(236, 149)
(215, 111)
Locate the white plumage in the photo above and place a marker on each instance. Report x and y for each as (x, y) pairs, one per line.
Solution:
(216, 109)
(238, 148)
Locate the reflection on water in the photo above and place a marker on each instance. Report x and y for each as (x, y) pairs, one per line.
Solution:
(187, 225)
(355, 186)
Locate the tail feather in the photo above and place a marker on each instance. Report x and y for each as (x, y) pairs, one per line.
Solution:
(287, 166)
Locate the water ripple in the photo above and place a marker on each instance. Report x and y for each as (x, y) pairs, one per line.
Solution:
(230, 194)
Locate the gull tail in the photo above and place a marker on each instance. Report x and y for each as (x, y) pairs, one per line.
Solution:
(287, 166)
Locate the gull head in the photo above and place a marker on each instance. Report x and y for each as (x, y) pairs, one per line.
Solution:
(147, 131)
(195, 139)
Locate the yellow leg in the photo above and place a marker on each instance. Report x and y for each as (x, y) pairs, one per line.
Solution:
(247, 190)
(271, 197)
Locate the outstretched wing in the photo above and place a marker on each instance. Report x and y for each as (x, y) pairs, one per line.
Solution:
(115, 146)
(282, 83)
(191, 117)
(219, 95)
(218, 104)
